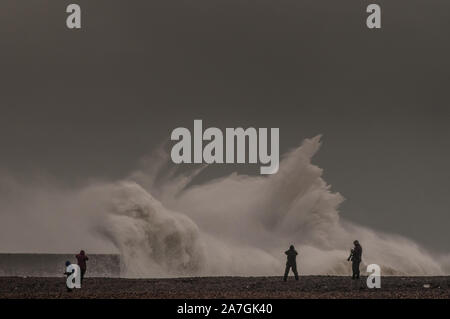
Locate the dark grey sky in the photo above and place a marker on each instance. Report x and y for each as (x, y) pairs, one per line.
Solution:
(91, 102)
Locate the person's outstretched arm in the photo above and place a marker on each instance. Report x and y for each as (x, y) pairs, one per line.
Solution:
(351, 255)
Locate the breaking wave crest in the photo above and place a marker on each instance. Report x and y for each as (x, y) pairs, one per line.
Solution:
(240, 225)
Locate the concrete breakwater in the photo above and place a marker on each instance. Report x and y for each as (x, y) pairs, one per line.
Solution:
(52, 265)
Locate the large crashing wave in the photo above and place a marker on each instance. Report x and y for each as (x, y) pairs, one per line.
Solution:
(241, 225)
(163, 226)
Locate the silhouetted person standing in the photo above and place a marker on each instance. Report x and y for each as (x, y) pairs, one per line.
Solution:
(291, 262)
(81, 260)
(355, 257)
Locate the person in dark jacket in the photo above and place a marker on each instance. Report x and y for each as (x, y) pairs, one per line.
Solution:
(355, 257)
(81, 260)
(291, 262)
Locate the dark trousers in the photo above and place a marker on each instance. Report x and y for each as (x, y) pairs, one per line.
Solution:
(83, 271)
(294, 270)
(355, 268)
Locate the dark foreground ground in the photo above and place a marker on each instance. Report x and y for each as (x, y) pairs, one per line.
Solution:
(227, 287)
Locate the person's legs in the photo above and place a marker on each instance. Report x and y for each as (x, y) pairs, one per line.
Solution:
(286, 272)
(353, 270)
(357, 269)
(83, 271)
(294, 270)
